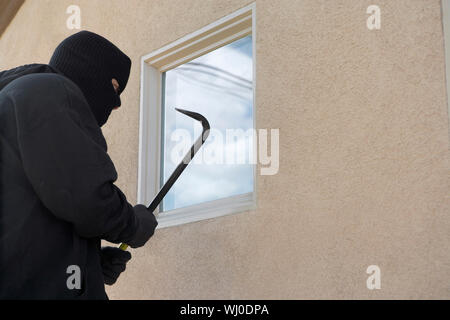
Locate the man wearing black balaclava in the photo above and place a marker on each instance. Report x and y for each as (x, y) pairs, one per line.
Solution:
(57, 194)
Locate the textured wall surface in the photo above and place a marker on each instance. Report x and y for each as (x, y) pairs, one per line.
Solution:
(364, 148)
(8, 10)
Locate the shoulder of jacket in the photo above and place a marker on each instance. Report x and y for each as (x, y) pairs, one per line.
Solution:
(41, 83)
(48, 90)
(38, 98)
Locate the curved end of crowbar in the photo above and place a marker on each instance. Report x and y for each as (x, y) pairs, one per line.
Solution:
(198, 117)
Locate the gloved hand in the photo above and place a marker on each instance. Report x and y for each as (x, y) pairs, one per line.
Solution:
(113, 261)
(146, 222)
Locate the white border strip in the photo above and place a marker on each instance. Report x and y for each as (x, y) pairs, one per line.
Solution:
(446, 29)
(189, 44)
(186, 38)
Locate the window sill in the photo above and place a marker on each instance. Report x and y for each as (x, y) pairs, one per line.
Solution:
(207, 210)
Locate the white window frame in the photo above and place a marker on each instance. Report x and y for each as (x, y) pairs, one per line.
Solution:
(222, 32)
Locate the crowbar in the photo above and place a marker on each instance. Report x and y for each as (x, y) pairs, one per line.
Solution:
(183, 164)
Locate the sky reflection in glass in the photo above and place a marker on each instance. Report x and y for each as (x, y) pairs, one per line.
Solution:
(219, 86)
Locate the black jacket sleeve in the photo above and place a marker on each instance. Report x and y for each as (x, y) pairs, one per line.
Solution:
(69, 170)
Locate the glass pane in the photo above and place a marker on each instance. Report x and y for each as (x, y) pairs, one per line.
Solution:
(219, 86)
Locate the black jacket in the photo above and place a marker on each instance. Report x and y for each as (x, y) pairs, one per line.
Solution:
(57, 192)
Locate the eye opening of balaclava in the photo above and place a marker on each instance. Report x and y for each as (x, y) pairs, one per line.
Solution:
(91, 62)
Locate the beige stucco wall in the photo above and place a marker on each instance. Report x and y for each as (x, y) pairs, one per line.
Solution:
(364, 167)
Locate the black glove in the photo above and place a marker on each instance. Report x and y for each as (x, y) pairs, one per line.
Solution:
(146, 225)
(113, 262)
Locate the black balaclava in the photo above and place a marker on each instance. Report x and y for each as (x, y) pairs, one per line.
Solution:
(92, 62)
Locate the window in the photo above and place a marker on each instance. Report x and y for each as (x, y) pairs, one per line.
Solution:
(211, 72)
